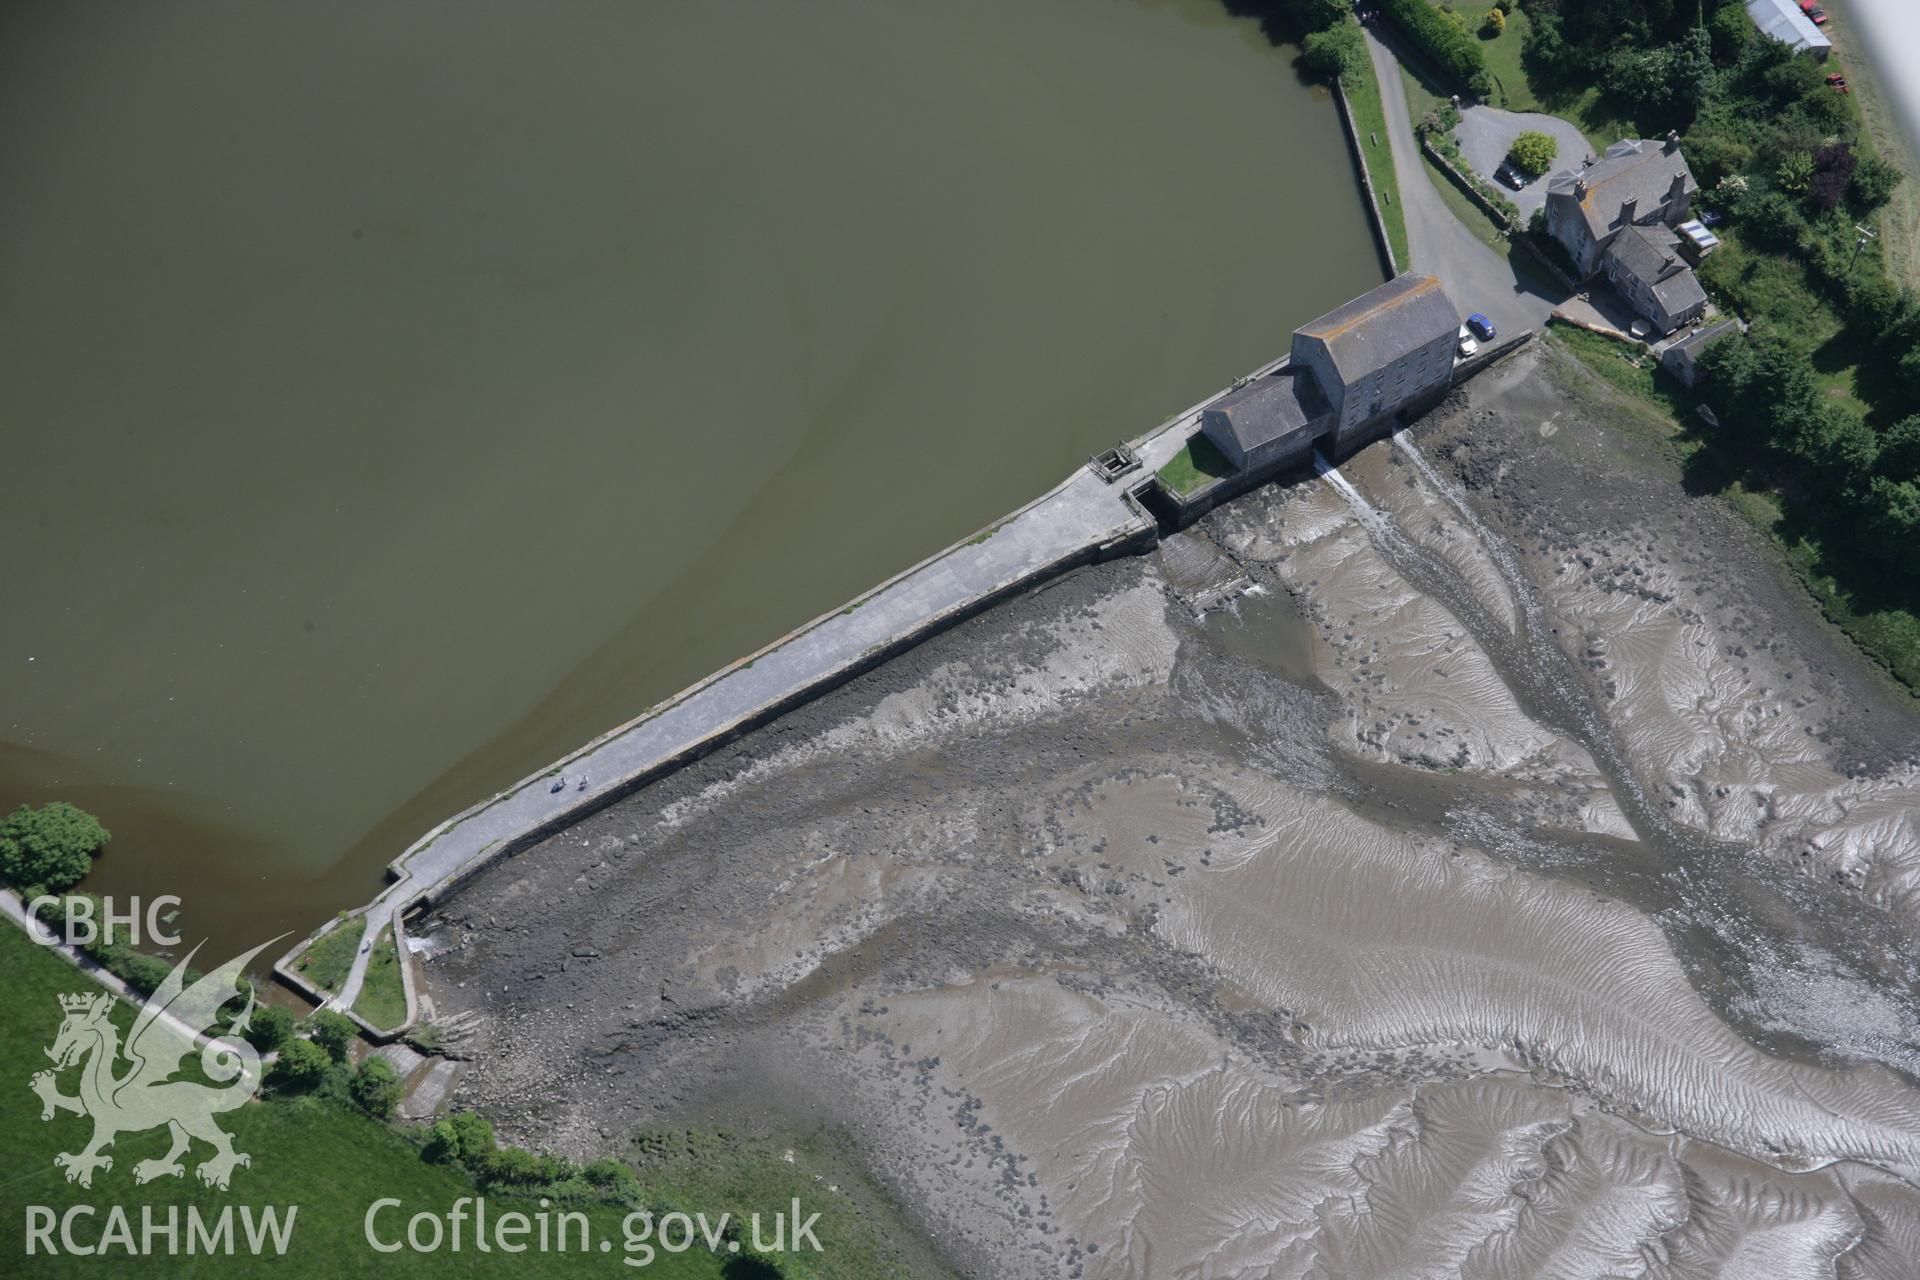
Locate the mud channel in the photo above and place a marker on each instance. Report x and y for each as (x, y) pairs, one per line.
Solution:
(1484, 866)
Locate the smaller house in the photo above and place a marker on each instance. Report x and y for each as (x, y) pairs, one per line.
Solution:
(1643, 265)
(1783, 21)
(1681, 358)
(1269, 420)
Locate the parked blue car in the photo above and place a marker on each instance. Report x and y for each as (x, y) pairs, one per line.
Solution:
(1481, 326)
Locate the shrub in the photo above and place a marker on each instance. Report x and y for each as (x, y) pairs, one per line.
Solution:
(1533, 152)
(1445, 41)
(51, 847)
(613, 1176)
(376, 1088)
(462, 1137)
(302, 1064)
(1794, 173)
(1335, 52)
(1495, 24)
(333, 1032)
(1873, 183)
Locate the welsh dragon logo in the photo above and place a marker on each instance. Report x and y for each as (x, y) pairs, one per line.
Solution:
(145, 1095)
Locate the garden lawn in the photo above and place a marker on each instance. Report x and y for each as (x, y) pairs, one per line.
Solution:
(1196, 465)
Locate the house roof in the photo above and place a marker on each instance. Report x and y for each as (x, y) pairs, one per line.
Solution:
(1636, 169)
(1268, 408)
(1783, 20)
(1646, 253)
(1650, 255)
(1694, 343)
(1383, 324)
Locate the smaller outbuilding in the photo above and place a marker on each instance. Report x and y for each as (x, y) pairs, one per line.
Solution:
(1681, 359)
(1783, 21)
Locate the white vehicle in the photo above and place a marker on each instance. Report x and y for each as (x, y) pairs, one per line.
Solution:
(1468, 343)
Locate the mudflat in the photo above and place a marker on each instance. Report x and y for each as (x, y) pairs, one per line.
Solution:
(1495, 865)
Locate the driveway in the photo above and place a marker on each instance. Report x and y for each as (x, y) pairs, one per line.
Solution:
(1475, 277)
(1486, 134)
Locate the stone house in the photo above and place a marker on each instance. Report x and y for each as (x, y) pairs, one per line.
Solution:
(1348, 373)
(1643, 265)
(1636, 183)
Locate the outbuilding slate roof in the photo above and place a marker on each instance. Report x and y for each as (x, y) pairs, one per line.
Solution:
(1271, 407)
(1383, 324)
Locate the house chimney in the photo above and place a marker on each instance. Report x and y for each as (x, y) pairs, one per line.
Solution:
(1673, 140)
(1679, 187)
(1627, 209)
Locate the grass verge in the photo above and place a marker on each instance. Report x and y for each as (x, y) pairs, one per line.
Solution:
(1370, 128)
(327, 962)
(383, 1000)
(1196, 465)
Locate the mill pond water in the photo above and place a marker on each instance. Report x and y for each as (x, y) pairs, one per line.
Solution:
(401, 395)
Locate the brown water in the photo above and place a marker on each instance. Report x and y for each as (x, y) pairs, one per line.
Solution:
(400, 394)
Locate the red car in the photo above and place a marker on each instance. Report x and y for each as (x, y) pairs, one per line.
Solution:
(1813, 10)
(1839, 83)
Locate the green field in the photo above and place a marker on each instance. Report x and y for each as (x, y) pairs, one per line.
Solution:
(1196, 465)
(382, 1000)
(333, 1164)
(1370, 123)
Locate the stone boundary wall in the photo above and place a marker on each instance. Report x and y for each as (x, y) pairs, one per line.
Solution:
(1467, 186)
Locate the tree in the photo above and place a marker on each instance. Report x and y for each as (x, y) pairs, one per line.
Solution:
(1873, 183)
(1533, 152)
(1900, 450)
(302, 1064)
(1833, 166)
(333, 1032)
(1893, 513)
(1729, 32)
(51, 847)
(376, 1088)
(1318, 15)
(269, 1027)
(1335, 52)
(1495, 24)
